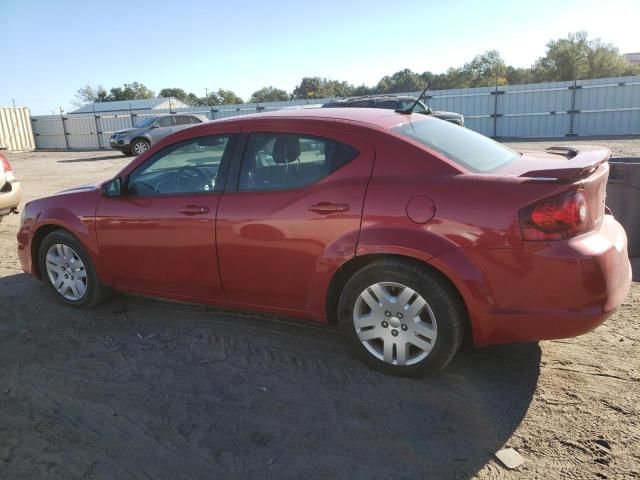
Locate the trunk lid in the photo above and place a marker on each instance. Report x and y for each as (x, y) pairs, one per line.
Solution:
(563, 164)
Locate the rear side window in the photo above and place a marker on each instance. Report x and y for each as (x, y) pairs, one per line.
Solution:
(285, 160)
(183, 120)
(390, 104)
(471, 150)
(194, 120)
(166, 121)
(419, 107)
(361, 103)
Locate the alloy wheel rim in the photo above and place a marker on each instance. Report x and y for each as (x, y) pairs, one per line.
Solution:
(140, 147)
(66, 272)
(395, 323)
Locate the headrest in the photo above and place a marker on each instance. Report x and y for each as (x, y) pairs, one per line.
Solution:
(286, 149)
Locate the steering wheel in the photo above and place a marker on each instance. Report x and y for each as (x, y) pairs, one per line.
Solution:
(190, 178)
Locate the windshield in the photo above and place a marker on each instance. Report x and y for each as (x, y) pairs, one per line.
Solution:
(146, 122)
(467, 148)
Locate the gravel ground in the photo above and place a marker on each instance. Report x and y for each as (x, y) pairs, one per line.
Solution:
(140, 388)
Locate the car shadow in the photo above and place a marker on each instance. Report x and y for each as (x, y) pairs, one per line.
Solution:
(146, 388)
(635, 268)
(92, 159)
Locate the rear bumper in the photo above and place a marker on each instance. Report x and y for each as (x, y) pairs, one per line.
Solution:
(549, 290)
(10, 200)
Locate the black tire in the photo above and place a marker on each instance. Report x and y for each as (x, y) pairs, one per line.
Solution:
(95, 292)
(140, 141)
(443, 299)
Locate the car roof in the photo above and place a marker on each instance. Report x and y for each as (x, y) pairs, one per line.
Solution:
(377, 117)
(178, 113)
(389, 96)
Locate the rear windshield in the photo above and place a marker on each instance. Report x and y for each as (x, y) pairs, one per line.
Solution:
(467, 148)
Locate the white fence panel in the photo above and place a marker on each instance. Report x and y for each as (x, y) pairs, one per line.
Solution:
(16, 133)
(605, 106)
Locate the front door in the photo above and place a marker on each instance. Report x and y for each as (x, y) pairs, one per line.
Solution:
(162, 127)
(159, 236)
(297, 206)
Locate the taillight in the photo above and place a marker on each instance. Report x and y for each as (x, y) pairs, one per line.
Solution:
(6, 167)
(556, 218)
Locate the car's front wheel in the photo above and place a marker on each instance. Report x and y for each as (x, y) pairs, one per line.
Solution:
(139, 146)
(401, 318)
(67, 270)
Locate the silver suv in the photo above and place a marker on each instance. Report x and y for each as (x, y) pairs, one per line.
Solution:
(138, 139)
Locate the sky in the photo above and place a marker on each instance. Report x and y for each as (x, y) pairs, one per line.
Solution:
(49, 49)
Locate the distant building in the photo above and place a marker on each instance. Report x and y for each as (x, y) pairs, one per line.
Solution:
(632, 57)
(138, 106)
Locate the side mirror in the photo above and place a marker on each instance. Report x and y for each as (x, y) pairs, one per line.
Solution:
(112, 188)
(429, 111)
(155, 125)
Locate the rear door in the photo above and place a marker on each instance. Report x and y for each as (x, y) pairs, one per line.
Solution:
(293, 215)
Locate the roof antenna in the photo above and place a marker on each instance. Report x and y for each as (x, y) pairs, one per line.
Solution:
(409, 111)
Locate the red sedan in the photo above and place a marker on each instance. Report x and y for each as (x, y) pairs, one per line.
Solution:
(409, 232)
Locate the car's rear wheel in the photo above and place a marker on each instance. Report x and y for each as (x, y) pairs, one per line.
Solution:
(401, 318)
(66, 268)
(139, 146)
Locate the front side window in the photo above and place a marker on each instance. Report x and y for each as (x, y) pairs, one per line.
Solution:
(147, 122)
(190, 166)
(465, 147)
(286, 160)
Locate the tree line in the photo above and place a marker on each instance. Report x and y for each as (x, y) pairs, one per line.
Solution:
(574, 57)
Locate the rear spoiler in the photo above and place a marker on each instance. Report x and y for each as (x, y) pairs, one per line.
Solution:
(580, 162)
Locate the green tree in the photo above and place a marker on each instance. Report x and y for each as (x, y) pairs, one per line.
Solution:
(192, 99)
(130, 91)
(317, 87)
(310, 87)
(227, 97)
(578, 57)
(177, 93)
(452, 78)
(363, 90)
(403, 81)
(516, 76)
(485, 70)
(269, 94)
(89, 94)
(336, 88)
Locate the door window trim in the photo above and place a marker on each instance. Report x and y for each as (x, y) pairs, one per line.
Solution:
(233, 183)
(173, 122)
(223, 169)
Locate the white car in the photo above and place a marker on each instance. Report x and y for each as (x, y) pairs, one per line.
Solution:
(10, 193)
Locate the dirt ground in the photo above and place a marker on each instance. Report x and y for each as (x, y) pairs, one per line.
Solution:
(141, 388)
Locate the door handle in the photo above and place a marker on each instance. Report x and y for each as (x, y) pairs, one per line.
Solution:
(329, 207)
(193, 210)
